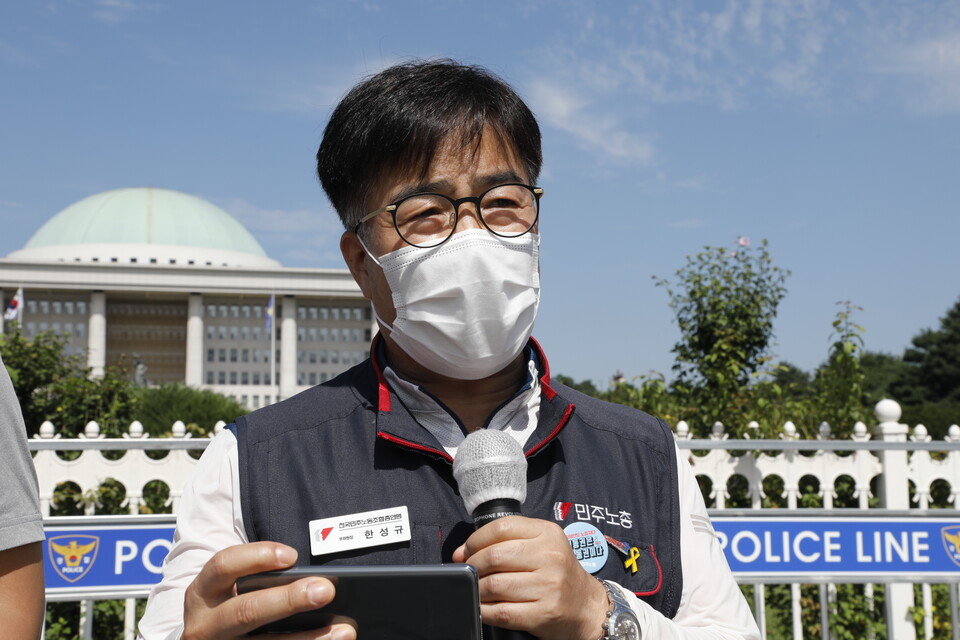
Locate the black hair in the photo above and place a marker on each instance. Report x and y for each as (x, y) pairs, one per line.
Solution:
(393, 122)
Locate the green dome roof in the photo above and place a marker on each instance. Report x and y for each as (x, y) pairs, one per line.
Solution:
(146, 216)
(148, 225)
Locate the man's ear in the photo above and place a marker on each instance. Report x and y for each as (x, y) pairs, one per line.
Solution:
(356, 259)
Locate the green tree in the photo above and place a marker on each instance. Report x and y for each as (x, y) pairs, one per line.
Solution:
(838, 383)
(725, 303)
(199, 409)
(934, 363)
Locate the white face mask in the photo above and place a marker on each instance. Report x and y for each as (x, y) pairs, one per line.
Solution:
(466, 308)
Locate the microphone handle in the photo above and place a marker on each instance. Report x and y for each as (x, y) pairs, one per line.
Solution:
(495, 509)
(485, 514)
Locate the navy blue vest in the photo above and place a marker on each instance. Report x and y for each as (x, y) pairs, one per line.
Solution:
(350, 446)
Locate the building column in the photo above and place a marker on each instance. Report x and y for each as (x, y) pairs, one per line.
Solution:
(288, 348)
(97, 334)
(3, 309)
(193, 376)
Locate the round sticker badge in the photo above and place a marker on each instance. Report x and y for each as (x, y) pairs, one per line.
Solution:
(588, 545)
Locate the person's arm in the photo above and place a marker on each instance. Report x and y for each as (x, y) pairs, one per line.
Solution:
(530, 580)
(195, 598)
(711, 604)
(21, 591)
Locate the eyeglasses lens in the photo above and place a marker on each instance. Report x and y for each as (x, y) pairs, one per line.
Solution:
(428, 219)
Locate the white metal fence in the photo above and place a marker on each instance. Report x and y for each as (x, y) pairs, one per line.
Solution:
(882, 463)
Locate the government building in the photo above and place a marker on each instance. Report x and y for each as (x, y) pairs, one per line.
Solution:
(172, 282)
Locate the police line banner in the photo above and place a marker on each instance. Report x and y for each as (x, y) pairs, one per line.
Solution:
(129, 557)
(905, 549)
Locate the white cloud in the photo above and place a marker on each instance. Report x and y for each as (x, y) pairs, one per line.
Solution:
(116, 11)
(932, 69)
(14, 56)
(298, 237)
(568, 111)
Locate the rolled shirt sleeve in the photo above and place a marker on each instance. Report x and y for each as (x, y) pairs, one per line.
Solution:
(211, 498)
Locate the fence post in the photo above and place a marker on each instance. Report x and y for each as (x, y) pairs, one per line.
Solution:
(895, 494)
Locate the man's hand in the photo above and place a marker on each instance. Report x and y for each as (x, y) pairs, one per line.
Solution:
(211, 608)
(530, 580)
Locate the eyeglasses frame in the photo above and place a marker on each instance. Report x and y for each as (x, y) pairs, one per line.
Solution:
(393, 206)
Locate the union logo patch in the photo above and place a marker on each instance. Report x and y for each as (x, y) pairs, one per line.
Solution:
(73, 555)
(951, 542)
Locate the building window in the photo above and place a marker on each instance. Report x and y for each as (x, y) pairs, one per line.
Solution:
(235, 310)
(312, 333)
(211, 311)
(257, 311)
(211, 331)
(323, 334)
(82, 307)
(334, 334)
(245, 355)
(256, 377)
(323, 357)
(301, 356)
(313, 378)
(356, 314)
(301, 378)
(222, 332)
(244, 377)
(301, 334)
(256, 333)
(45, 307)
(222, 377)
(222, 355)
(57, 307)
(233, 355)
(81, 329)
(324, 377)
(233, 333)
(356, 335)
(245, 310)
(266, 379)
(210, 354)
(233, 377)
(335, 313)
(335, 357)
(245, 333)
(68, 328)
(313, 357)
(366, 335)
(209, 377)
(256, 355)
(324, 313)
(302, 313)
(313, 313)
(68, 307)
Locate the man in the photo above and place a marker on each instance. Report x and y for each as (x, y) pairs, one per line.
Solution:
(21, 528)
(432, 168)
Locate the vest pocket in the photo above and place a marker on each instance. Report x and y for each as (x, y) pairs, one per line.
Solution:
(639, 569)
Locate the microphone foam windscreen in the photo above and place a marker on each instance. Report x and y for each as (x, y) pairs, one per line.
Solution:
(489, 465)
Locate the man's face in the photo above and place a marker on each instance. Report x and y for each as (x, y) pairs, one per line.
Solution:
(455, 172)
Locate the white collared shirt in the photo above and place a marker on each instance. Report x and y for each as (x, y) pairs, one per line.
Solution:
(210, 518)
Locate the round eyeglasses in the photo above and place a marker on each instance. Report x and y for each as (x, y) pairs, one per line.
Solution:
(429, 219)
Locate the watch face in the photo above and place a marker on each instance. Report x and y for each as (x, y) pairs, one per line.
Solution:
(627, 629)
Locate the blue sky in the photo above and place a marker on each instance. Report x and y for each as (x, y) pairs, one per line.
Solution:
(830, 129)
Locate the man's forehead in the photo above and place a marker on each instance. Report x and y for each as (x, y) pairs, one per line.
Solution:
(487, 159)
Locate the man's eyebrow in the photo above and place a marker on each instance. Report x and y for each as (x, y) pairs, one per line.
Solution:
(445, 186)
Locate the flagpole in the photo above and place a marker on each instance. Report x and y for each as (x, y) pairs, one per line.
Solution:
(273, 347)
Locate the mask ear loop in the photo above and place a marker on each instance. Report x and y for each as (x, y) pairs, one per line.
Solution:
(376, 315)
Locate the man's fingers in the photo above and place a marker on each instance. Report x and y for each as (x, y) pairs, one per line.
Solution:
(336, 632)
(248, 611)
(216, 579)
(500, 530)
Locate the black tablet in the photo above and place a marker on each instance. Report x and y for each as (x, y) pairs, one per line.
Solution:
(410, 602)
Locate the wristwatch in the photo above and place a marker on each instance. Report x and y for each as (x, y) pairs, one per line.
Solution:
(622, 623)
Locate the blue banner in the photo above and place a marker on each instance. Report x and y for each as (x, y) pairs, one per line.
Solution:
(913, 547)
(130, 556)
(104, 557)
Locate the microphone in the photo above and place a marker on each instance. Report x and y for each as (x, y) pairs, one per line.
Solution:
(491, 472)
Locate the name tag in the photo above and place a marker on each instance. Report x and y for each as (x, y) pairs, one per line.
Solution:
(359, 530)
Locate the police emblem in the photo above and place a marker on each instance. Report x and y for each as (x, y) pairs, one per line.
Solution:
(951, 542)
(73, 555)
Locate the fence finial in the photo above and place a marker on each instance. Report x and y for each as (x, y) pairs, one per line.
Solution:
(179, 429)
(887, 411)
(92, 430)
(47, 430)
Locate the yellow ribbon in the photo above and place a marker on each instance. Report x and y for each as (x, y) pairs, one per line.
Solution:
(631, 562)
